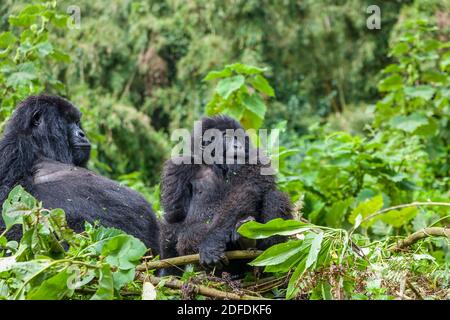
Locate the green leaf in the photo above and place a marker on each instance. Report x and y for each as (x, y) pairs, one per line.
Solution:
(225, 73)
(123, 277)
(235, 111)
(227, 86)
(44, 48)
(32, 9)
(428, 130)
(102, 233)
(255, 104)
(434, 77)
(18, 204)
(60, 20)
(54, 288)
(278, 253)
(400, 48)
(4, 290)
(26, 72)
(391, 83)
(315, 249)
(288, 263)
(398, 218)
(256, 230)
(60, 56)
(250, 120)
(262, 85)
(336, 215)
(409, 123)
(424, 92)
(292, 288)
(7, 39)
(245, 69)
(25, 20)
(105, 289)
(123, 251)
(366, 208)
(7, 263)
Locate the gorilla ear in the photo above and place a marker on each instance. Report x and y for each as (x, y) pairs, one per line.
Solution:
(36, 118)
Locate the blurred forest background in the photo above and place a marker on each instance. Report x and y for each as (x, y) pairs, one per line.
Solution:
(364, 113)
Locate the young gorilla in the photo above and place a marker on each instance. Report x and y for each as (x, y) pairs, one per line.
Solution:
(44, 149)
(204, 204)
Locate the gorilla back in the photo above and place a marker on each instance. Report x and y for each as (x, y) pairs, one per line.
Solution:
(44, 149)
(86, 196)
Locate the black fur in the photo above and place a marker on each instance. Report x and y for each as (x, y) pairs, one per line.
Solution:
(44, 149)
(205, 204)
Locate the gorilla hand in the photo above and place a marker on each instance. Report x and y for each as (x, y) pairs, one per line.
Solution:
(212, 254)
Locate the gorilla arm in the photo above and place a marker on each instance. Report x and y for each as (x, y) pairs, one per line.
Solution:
(241, 203)
(276, 204)
(175, 188)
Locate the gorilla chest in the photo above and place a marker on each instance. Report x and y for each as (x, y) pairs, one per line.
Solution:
(210, 193)
(207, 194)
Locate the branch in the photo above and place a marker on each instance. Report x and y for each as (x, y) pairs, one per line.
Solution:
(194, 258)
(203, 290)
(426, 232)
(401, 206)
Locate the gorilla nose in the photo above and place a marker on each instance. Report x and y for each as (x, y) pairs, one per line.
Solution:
(81, 134)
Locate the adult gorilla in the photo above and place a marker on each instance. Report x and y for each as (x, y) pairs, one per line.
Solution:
(45, 150)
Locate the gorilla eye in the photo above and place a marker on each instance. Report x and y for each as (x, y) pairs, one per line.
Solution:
(36, 119)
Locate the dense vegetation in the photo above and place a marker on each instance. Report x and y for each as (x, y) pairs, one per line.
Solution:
(364, 148)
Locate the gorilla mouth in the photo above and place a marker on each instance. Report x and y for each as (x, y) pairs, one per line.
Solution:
(82, 146)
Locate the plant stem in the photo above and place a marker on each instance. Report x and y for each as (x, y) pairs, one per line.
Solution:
(401, 206)
(194, 258)
(423, 233)
(200, 289)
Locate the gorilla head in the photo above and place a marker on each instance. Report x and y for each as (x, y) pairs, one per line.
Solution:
(52, 125)
(223, 140)
(41, 127)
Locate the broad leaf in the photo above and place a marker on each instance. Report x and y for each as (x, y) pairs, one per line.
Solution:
(105, 289)
(256, 230)
(262, 85)
(54, 288)
(278, 253)
(314, 251)
(398, 218)
(18, 204)
(255, 104)
(227, 86)
(366, 208)
(409, 123)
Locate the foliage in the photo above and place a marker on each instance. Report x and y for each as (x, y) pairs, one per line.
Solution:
(329, 263)
(238, 94)
(52, 262)
(140, 69)
(25, 51)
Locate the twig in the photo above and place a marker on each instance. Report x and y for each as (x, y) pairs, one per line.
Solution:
(194, 258)
(401, 206)
(423, 233)
(416, 292)
(200, 289)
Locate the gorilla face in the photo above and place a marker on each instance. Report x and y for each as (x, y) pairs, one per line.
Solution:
(54, 127)
(79, 144)
(228, 136)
